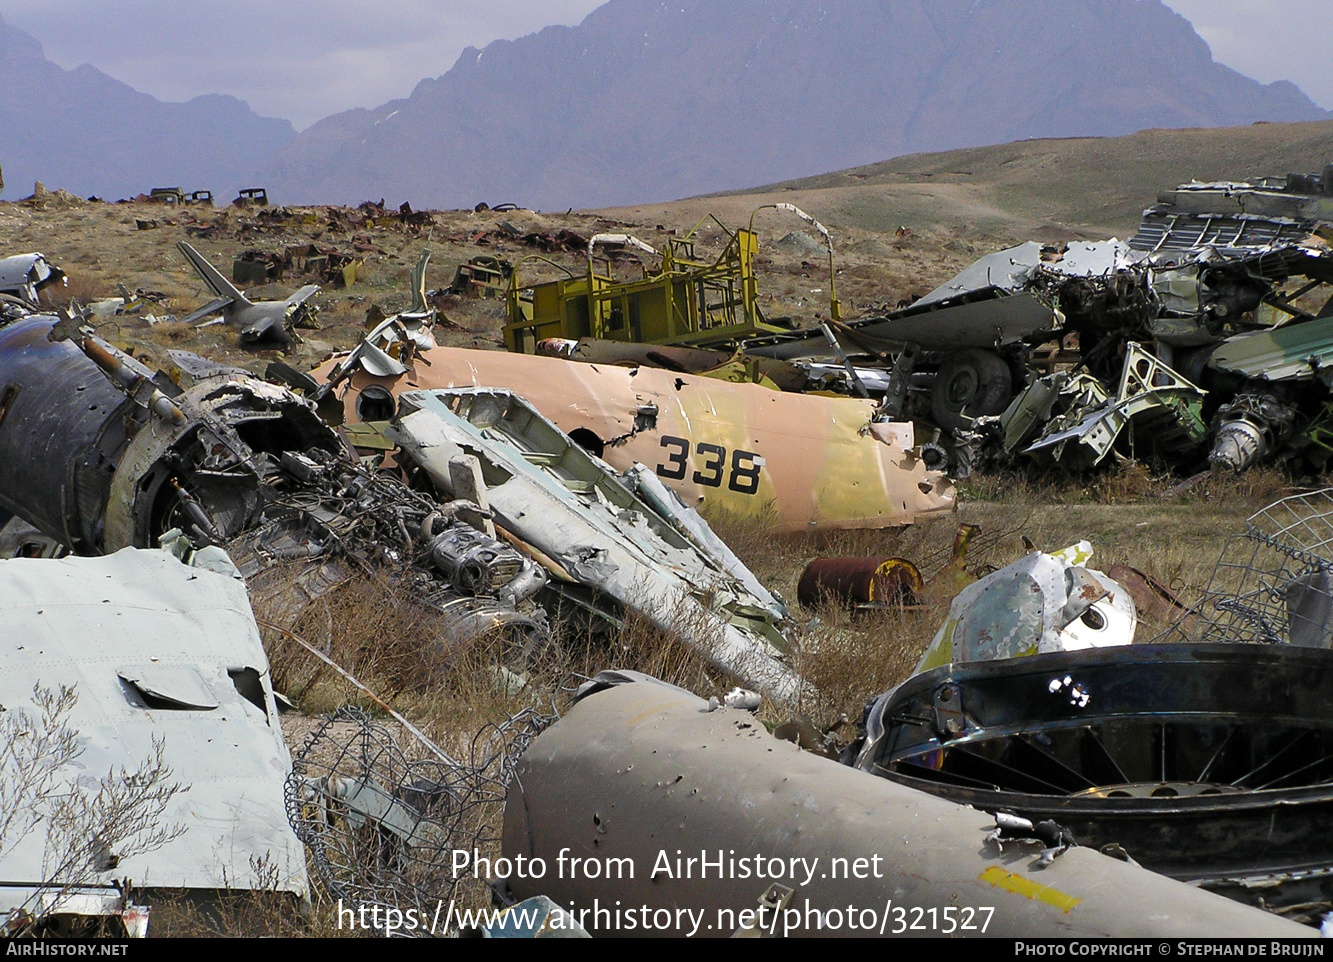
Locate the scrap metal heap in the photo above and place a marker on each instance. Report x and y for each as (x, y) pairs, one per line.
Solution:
(1232, 369)
(791, 461)
(625, 539)
(646, 776)
(248, 465)
(237, 462)
(1204, 338)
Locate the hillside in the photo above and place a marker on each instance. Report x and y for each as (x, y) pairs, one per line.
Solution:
(1089, 183)
(644, 100)
(90, 134)
(957, 206)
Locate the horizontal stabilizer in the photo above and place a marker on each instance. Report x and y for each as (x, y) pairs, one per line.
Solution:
(212, 307)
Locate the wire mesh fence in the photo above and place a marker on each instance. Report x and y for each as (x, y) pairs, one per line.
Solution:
(382, 810)
(1272, 582)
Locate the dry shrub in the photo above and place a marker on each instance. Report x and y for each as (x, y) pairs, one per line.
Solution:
(849, 658)
(259, 914)
(369, 626)
(169, 333)
(1126, 482)
(1254, 488)
(79, 287)
(640, 645)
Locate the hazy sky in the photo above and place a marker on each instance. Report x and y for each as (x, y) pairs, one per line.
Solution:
(303, 61)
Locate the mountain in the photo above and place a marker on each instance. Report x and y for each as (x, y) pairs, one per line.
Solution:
(87, 133)
(647, 100)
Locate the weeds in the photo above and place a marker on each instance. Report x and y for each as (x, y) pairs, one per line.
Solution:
(89, 829)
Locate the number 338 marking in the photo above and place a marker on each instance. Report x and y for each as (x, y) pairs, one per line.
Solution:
(711, 460)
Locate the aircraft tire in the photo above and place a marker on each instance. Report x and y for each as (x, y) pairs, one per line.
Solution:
(970, 383)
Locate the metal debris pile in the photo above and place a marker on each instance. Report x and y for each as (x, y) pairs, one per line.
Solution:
(510, 494)
(1199, 341)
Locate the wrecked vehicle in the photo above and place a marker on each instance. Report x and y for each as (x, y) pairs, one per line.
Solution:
(123, 676)
(1203, 284)
(687, 300)
(248, 465)
(255, 321)
(797, 462)
(639, 783)
(236, 462)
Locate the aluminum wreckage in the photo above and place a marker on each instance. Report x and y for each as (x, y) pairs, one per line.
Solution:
(505, 519)
(99, 453)
(796, 462)
(645, 796)
(1206, 760)
(123, 677)
(1201, 340)
(1097, 760)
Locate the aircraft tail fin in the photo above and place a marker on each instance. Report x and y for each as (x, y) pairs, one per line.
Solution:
(218, 284)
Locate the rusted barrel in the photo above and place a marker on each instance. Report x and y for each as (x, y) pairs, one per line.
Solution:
(858, 582)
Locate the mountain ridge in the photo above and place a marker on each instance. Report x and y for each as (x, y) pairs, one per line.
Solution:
(87, 132)
(657, 101)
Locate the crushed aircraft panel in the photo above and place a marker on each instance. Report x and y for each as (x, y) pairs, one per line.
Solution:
(1165, 409)
(797, 462)
(24, 276)
(1298, 351)
(588, 527)
(1040, 603)
(156, 652)
(647, 773)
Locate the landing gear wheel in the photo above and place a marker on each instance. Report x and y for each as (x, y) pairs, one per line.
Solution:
(970, 384)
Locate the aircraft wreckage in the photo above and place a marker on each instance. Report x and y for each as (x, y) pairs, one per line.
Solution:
(1084, 764)
(641, 784)
(502, 513)
(795, 462)
(1206, 760)
(1200, 340)
(142, 743)
(100, 453)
